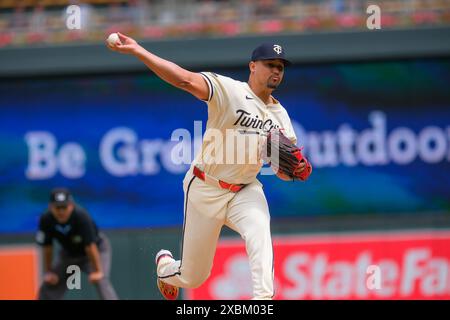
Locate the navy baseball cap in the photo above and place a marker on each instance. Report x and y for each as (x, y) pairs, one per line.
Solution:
(268, 51)
(60, 197)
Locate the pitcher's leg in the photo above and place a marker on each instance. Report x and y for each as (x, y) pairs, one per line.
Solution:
(201, 230)
(248, 214)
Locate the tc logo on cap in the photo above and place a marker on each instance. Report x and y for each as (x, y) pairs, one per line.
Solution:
(277, 48)
(60, 197)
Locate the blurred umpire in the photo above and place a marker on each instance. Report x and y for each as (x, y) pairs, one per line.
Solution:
(81, 245)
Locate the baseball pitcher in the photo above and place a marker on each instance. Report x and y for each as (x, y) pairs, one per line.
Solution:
(218, 189)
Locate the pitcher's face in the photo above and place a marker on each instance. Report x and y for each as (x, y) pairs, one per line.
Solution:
(268, 73)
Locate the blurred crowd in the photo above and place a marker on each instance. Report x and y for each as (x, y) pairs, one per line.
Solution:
(25, 22)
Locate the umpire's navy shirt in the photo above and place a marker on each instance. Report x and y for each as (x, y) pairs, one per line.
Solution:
(74, 235)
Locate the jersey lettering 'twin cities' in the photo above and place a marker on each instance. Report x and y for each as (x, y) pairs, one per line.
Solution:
(253, 122)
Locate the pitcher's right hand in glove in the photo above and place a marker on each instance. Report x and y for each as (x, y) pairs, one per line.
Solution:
(285, 158)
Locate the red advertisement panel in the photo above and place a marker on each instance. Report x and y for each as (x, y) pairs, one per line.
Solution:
(394, 265)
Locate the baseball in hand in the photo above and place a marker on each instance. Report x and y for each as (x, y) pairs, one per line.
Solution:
(113, 39)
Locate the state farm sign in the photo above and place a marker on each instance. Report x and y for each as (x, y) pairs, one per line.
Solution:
(413, 265)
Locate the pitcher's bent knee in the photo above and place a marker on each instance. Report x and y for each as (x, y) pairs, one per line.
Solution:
(194, 281)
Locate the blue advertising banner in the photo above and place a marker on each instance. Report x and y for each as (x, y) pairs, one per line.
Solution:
(377, 134)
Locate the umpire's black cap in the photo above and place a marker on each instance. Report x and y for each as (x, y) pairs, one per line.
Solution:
(60, 197)
(268, 51)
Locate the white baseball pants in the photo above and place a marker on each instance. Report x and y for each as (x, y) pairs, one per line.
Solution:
(206, 209)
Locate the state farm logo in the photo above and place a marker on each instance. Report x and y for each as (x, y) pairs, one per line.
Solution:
(367, 266)
(418, 273)
(235, 282)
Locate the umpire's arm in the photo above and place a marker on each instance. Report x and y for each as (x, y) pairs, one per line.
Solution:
(94, 258)
(48, 257)
(170, 72)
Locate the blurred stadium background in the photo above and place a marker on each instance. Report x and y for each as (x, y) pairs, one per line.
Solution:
(371, 107)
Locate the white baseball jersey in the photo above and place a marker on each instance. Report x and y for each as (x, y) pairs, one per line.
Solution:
(234, 108)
